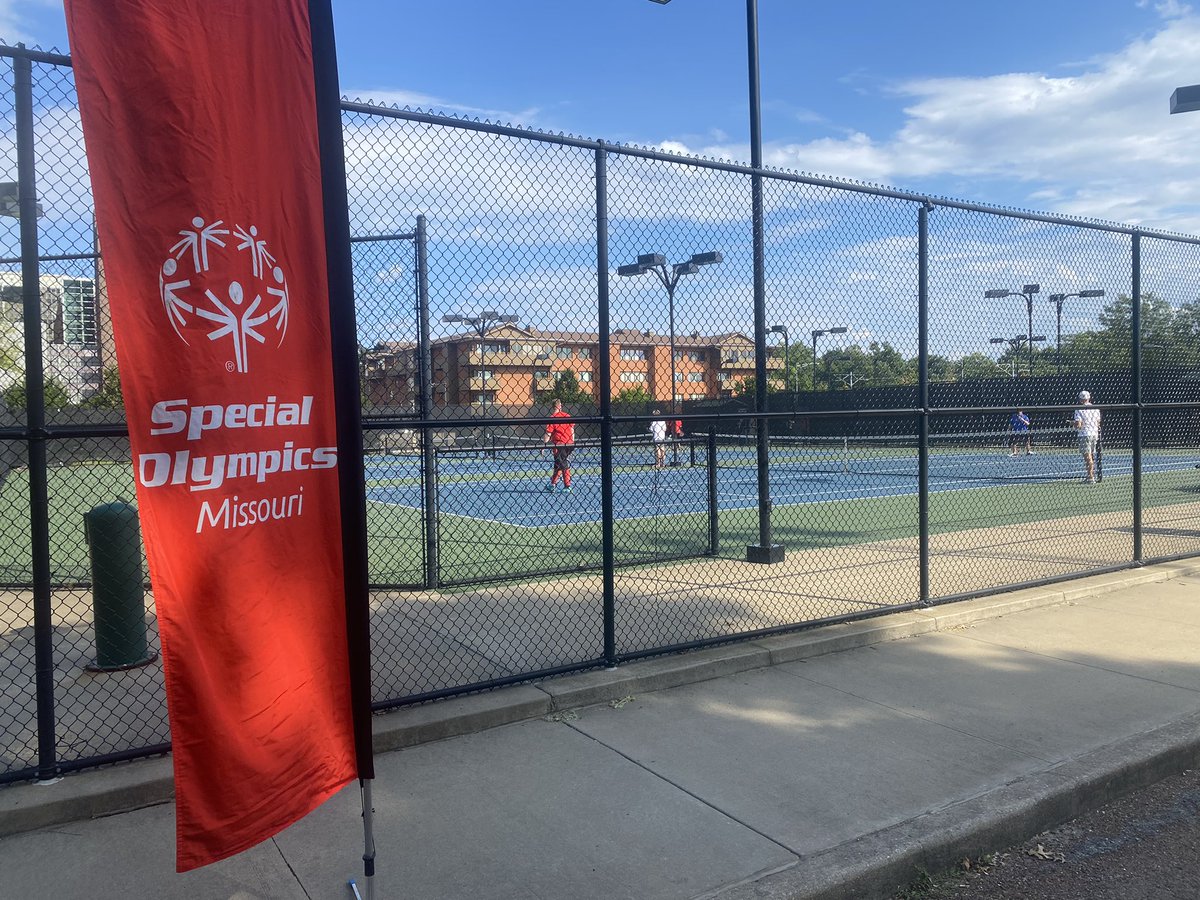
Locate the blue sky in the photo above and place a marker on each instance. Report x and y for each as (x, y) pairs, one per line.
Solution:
(1058, 106)
(1053, 106)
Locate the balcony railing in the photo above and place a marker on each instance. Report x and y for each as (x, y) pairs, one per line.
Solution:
(506, 358)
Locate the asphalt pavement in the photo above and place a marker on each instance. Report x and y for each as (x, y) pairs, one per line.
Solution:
(832, 762)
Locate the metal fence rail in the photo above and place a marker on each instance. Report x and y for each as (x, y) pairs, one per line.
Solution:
(498, 270)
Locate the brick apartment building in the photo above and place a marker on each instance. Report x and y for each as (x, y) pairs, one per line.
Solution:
(514, 366)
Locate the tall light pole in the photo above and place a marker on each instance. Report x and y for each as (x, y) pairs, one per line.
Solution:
(787, 365)
(818, 332)
(657, 263)
(480, 323)
(765, 551)
(1027, 291)
(1058, 300)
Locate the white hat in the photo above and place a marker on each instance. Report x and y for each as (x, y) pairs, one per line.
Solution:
(1085, 396)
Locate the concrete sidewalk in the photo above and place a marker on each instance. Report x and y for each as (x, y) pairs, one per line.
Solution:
(828, 763)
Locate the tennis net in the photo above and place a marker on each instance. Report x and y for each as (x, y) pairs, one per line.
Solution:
(508, 454)
(985, 456)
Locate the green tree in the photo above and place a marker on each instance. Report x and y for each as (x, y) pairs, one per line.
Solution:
(109, 396)
(974, 366)
(633, 397)
(12, 343)
(798, 369)
(54, 394)
(567, 389)
(745, 387)
(1164, 332)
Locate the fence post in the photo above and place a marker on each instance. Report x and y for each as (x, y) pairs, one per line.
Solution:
(425, 368)
(714, 528)
(35, 418)
(608, 551)
(923, 392)
(1135, 330)
(765, 551)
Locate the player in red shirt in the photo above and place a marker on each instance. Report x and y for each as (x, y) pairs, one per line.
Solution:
(561, 438)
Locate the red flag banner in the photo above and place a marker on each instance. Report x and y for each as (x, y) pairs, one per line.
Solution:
(200, 123)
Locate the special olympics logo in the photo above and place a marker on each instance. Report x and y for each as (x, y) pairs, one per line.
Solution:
(236, 287)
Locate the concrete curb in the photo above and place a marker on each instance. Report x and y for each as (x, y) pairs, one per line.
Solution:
(123, 787)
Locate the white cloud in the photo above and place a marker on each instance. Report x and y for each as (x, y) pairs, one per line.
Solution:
(13, 23)
(1097, 143)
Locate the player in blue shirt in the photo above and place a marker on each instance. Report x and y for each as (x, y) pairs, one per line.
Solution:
(1019, 426)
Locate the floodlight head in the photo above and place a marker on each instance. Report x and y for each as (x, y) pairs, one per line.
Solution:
(711, 258)
(996, 293)
(1038, 337)
(1031, 289)
(839, 330)
(631, 269)
(10, 203)
(998, 341)
(1097, 292)
(687, 268)
(1183, 99)
(510, 319)
(661, 2)
(646, 260)
(489, 314)
(1057, 298)
(454, 318)
(777, 329)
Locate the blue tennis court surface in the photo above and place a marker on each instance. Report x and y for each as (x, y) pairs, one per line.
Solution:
(515, 493)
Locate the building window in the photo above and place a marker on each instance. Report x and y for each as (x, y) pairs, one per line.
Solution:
(584, 353)
(696, 376)
(631, 353)
(722, 376)
(633, 376)
(79, 312)
(584, 377)
(696, 396)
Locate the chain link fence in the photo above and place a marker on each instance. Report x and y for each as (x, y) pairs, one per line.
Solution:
(567, 446)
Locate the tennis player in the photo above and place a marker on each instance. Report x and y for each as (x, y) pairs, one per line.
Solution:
(1019, 426)
(1087, 423)
(561, 438)
(658, 433)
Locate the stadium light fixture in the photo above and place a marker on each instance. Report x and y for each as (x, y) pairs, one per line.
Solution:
(10, 204)
(481, 323)
(1183, 99)
(1058, 300)
(657, 263)
(818, 332)
(1027, 291)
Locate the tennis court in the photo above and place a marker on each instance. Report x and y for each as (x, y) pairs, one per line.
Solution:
(509, 484)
